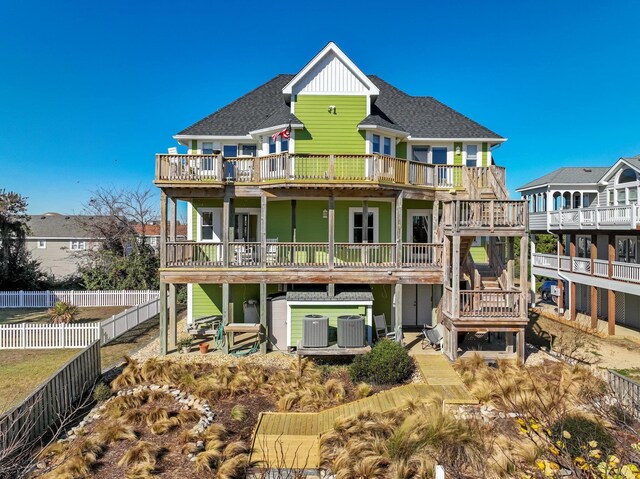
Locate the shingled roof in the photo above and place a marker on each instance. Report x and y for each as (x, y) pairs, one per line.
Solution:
(264, 107)
(569, 175)
(55, 225)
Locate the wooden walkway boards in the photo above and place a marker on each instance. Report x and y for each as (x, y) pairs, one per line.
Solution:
(292, 440)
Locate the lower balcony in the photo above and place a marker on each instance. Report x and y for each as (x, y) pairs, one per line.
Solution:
(483, 305)
(311, 256)
(599, 218)
(598, 268)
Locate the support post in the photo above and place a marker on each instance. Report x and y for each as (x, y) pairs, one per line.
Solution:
(532, 278)
(434, 221)
(225, 315)
(611, 254)
(263, 318)
(455, 261)
(560, 281)
(611, 313)
(331, 230)
(511, 273)
(263, 230)
(172, 335)
(226, 209)
(163, 319)
(520, 340)
(524, 254)
(399, 202)
(572, 300)
(397, 306)
(594, 307)
(594, 253)
(163, 229)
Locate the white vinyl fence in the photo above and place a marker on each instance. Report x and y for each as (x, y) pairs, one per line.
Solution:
(130, 318)
(46, 299)
(75, 335)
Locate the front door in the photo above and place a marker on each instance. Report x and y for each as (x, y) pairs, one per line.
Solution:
(626, 251)
(419, 226)
(416, 304)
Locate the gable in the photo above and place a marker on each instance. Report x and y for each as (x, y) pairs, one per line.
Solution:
(621, 164)
(330, 76)
(331, 72)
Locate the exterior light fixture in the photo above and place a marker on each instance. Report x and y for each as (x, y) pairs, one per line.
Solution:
(332, 109)
(325, 213)
(458, 150)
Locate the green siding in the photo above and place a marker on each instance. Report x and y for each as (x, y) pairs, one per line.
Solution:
(485, 154)
(401, 150)
(194, 145)
(328, 132)
(310, 225)
(383, 299)
(457, 153)
(479, 254)
(207, 299)
(299, 311)
(279, 220)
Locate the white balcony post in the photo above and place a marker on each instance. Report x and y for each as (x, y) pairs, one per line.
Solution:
(532, 280)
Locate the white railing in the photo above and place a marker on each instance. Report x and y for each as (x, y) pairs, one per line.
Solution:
(628, 272)
(119, 324)
(605, 217)
(46, 299)
(75, 335)
(48, 336)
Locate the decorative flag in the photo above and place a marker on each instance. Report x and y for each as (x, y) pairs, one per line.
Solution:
(285, 134)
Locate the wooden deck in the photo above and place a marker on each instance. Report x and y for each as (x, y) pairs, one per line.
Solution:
(292, 440)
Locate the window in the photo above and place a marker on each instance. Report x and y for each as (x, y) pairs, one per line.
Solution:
(439, 155)
(248, 150)
(633, 195)
(622, 197)
(284, 144)
(626, 249)
(272, 145)
(357, 226)
(584, 246)
(420, 153)
(246, 227)
(207, 148)
(206, 226)
(230, 151)
(375, 144)
(627, 176)
(611, 201)
(42, 244)
(77, 246)
(472, 155)
(386, 146)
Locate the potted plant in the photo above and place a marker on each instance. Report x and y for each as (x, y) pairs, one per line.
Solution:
(204, 347)
(184, 344)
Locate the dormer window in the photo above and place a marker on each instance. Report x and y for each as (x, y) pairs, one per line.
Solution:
(627, 187)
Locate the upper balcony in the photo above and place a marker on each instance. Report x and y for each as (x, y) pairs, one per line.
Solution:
(479, 217)
(330, 170)
(600, 218)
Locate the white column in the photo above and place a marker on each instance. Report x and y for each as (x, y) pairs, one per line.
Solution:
(532, 280)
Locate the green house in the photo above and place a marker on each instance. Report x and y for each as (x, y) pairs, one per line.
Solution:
(331, 181)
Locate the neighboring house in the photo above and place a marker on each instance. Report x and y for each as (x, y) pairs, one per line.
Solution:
(353, 196)
(57, 242)
(596, 214)
(151, 232)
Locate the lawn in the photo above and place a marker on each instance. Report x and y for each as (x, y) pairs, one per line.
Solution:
(39, 315)
(24, 369)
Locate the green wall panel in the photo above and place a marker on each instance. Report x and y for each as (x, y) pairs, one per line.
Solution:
(279, 220)
(327, 132)
(457, 153)
(207, 299)
(401, 150)
(485, 154)
(383, 299)
(299, 311)
(412, 205)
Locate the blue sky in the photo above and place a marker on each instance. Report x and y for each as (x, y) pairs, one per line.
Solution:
(90, 91)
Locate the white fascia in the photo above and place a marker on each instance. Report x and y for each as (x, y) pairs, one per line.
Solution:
(612, 171)
(212, 137)
(477, 140)
(383, 129)
(277, 128)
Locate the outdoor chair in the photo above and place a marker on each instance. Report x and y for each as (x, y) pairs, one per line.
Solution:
(381, 328)
(433, 337)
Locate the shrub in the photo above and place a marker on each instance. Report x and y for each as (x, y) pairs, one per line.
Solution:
(387, 363)
(63, 312)
(101, 392)
(582, 430)
(238, 413)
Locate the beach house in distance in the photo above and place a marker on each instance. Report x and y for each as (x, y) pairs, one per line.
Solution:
(332, 192)
(594, 212)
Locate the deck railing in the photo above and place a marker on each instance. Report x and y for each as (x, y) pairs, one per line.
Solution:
(485, 214)
(601, 217)
(288, 167)
(191, 254)
(628, 272)
(490, 304)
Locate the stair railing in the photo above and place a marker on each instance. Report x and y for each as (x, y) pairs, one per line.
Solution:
(497, 181)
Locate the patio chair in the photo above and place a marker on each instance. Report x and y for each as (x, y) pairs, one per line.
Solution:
(382, 331)
(433, 336)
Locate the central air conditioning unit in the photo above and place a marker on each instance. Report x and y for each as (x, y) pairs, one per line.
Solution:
(350, 331)
(315, 331)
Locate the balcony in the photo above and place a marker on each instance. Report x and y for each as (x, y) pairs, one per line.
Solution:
(616, 270)
(311, 256)
(311, 169)
(600, 218)
(477, 217)
(483, 305)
